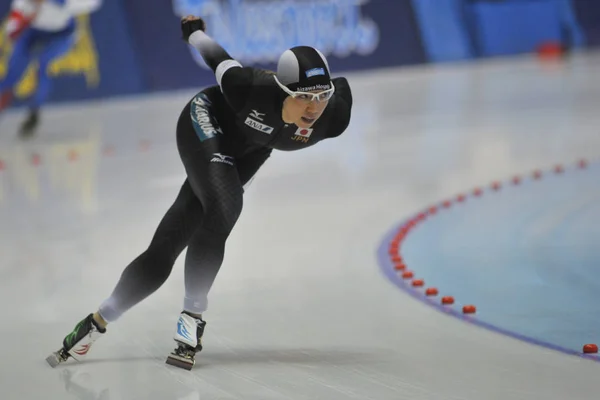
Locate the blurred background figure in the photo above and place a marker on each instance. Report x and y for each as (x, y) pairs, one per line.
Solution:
(41, 30)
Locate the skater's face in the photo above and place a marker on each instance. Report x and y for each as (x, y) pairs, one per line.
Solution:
(303, 111)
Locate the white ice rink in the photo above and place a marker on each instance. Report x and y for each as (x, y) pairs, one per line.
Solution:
(300, 309)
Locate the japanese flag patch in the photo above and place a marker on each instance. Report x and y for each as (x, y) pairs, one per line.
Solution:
(304, 132)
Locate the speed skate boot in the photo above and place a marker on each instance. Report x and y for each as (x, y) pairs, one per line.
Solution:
(77, 344)
(189, 341)
(29, 126)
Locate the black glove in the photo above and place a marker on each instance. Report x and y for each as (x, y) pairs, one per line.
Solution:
(190, 26)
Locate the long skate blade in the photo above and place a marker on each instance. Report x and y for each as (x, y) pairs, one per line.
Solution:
(180, 362)
(55, 358)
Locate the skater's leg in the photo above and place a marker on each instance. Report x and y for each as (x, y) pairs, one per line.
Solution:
(213, 175)
(17, 64)
(221, 191)
(54, 47)
(142, 277)
(218, 181)
(212, 172)
(207, 247)
(150, 270)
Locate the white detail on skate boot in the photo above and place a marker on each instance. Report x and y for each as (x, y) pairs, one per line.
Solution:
(80, 350)
(186, 330)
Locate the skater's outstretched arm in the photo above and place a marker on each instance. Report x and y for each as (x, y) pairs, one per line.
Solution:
(193, 29)
(234, 80)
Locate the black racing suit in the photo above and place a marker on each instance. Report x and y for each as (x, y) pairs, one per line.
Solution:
(224, 134)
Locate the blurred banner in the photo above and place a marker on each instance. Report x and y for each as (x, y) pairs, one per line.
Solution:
(135, 46)
(353, 34)
(587, 13)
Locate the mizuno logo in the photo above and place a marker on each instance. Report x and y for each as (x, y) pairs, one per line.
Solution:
(221, 158)
(257, 115)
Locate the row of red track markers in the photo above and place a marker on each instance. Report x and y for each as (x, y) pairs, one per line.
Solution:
(73, 155)
(395, 246)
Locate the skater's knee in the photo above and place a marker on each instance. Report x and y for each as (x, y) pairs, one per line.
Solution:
(222, 214)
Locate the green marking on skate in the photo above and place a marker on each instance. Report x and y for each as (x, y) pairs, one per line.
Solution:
(70, 339)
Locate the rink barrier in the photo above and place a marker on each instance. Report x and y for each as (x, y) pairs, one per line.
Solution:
(404, 276)
(118, 53)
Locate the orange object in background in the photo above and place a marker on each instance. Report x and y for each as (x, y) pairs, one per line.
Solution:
(551, 51)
